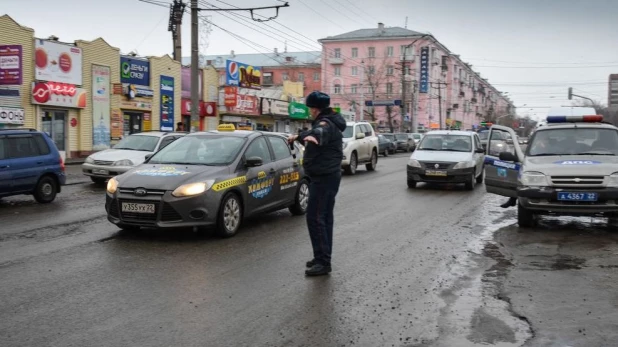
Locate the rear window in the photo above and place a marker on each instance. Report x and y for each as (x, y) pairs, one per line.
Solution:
(401, 136)
(21, 146)
(41, 144)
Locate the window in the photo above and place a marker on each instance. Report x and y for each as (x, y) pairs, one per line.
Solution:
(371, 70)
(366, 128)
(372, 52)
(477, 142)
(259, 148)
(267, 78)
(138, 143)
(390, 70)
(357, 129)
(316, 76)
(280, 148)
(354, 89)
(166, 141)
(389, 51)
(21, 146)
(354, 70)
(389, 88)
(408, 51)
(337, 71)
(337, 52)
(354, 52)
(3, 148)
(285, 76)
(42, 144)
(574, 141)
(301, 77)
(347, 133)
(337, 89)
(449, 143)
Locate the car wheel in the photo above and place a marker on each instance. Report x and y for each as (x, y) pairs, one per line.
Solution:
(479, 179)
(351, 169)
(46, 190)
(230, 216)
(374, 161)
(301, 201)
(386, 153)
(470, 183)
(98, 180)
(525, 217)
(412, 184)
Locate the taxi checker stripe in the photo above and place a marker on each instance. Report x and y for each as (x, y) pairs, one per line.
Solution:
(229, 183)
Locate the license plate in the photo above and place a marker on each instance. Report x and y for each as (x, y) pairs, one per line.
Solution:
(138, 208)
(435, 173)
(571, 196)
(100, 172)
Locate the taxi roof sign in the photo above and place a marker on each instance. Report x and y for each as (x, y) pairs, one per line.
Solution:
(575, 119)
(226, 127)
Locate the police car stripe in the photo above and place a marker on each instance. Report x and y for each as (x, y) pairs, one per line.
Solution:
(232, 182)
(500, 163)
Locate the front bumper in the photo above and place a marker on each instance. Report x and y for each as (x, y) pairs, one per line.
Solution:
(104, 171)
(169, 211)
(545, 199)
(452, 175)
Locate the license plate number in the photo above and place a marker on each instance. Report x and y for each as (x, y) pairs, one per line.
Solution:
(100, 172)
(571, 196)
(138, 208)
(435, 173)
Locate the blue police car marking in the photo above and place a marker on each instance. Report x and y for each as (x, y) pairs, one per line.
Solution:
(503, 164)
(577, 162)
(502, 172)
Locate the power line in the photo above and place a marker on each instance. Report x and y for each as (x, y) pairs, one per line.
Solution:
(320, 14)
(545, 67)
(360, 9)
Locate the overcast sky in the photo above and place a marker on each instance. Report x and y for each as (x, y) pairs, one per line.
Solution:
(533, 49)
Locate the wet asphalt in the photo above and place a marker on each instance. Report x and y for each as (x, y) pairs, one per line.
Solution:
(433, 266)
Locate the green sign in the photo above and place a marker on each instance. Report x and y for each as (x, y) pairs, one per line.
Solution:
(298, 111)
(337, 109)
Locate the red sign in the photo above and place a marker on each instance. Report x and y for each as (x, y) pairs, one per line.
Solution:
(246, 105)
(230, 94)
(73, 122)
(58, 94)
(207, 109)
(210, 109)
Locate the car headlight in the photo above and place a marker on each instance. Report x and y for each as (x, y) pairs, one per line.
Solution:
(192, 188)
(89, 160)
(464, 164)
(414, 163)
(613, 180)
(123, 162)
(532, 179)
(112, 185)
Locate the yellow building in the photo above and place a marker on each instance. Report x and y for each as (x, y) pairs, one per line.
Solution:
(165, 69)
(210, 93)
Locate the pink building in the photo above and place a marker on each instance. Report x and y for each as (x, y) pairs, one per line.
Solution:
(440, 89)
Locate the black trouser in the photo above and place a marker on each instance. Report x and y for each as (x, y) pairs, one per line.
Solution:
(320, 218)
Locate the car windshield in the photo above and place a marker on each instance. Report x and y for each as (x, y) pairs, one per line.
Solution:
(574, 141)
(200, 150)
(416, 136)
(401, 137)
(449, 143)
(348, 132)
(484, 135)
(138, 143)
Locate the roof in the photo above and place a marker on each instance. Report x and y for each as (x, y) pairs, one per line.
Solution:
(373, 33)
(264, 59)
(450, 132)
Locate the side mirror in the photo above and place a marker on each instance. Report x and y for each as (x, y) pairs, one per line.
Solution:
(360, 136)
(148, 156)
(480, 150)
(253, 162)
(507, 156)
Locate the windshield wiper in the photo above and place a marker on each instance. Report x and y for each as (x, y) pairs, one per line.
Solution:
(429, 149)
(595, 153)
(547, 154)
(455, 150)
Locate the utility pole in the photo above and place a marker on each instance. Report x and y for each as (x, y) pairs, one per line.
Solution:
(413, 112)
(177, 9)
(195, 98)
(362, 92)
(439, 88)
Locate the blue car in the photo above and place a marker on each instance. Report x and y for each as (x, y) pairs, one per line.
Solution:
(30, 164)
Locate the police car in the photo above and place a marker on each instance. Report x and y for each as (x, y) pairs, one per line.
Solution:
(213, 178)
(570, 167)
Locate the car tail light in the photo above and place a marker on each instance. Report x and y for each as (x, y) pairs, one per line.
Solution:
(61, 164)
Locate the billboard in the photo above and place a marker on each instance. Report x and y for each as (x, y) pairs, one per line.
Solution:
(242, 75)
(186, 83)
(167, 103)
(424, 81)
(57, 62)
(274, 107)
(134, 71)
(58, 94)
(245, 105)
(101, 107)
(11, 61)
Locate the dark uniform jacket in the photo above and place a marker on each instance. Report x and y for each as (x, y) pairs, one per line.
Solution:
(325, 157)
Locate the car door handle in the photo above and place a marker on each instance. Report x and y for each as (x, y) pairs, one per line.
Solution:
(39, 162)
(4, 167)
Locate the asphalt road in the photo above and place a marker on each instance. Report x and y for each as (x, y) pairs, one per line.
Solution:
(410, 268)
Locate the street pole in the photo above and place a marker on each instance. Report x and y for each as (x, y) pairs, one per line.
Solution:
(362, 96)
(403, 84)
(413, 112)
(440, 105)
(194, 66)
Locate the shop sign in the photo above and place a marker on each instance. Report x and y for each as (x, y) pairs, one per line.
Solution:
(57, 62)
(185, 108)
(134, 71)
(136, 105)
(298, 111)
(167, 103)
(230, 96)
(245, 104)
(10, 97)
(101, 107)
(117, 124)
(186, 82)
(210, 109)
(274, 107)
(424, 84)
(133, 91)
(242, 75)
(11, 65)
(9, 115)
(58, 94)
(117, 89)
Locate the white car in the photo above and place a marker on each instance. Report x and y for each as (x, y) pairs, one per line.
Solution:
(126, 154)
(360, 146)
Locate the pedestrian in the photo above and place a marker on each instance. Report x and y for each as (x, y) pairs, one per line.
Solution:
(322, 163)
(180, 126)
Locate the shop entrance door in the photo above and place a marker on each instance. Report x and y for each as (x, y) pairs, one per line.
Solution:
(54, 124)
(132, 123)
(186, 121)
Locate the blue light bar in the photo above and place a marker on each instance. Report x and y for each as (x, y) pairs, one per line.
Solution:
(575, 119)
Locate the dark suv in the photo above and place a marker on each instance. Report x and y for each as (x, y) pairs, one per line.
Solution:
(30, 164)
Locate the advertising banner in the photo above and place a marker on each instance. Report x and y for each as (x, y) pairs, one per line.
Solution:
(274, 107)
(167, 103)
(101, 107)
(9, 115)
(186, 83)
(207, 109)
(245, 105)
(58, 94)
(297, 110)
(242, 75)
(132, 91)
(11, 65)
(230, 96)
(57, 62)
(117, 125)
(424, 81)
(134, 71)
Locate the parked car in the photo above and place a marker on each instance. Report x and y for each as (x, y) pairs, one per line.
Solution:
(126, 154)
(447, 156)
(417, 137)
(391, 138)
(30, 164)
(404, 142)
(360, 146)
(386, 145)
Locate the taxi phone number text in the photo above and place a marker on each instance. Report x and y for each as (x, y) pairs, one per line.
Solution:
(291, 177)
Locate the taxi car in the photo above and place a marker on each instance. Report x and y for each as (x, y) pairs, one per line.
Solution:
(447, 156)
(570, 167)
(213, 178)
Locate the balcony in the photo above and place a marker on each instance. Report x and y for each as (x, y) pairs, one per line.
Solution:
(335, 60)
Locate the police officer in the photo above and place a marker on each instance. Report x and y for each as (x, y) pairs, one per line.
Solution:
(322, 163)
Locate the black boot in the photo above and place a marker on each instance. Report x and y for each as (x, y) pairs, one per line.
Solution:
(512, 202)
(318, 270)
(310, 263)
